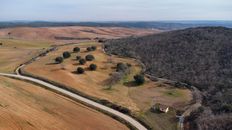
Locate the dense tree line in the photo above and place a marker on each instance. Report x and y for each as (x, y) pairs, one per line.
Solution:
(198, 56)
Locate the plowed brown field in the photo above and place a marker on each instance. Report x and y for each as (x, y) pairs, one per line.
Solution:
(26, 106)
(76, 32)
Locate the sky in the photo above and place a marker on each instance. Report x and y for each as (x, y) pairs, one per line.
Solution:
(115, 10)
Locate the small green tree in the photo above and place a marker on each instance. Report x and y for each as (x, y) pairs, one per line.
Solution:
(59, 60)
(80, 70)
(66, 54)
(82, 61)
(121, 67)
(78, 57)
(139, 79)
(128, 64)
(89, 57)
(93, 48)
(92, 67)
(9, 35)
(76, 49)
(89, 49)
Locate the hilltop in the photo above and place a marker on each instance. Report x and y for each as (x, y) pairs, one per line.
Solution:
(197, 56)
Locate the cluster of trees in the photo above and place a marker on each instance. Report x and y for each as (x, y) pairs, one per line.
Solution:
(139, 79)
(66, 54)
(92, 67)
(60, 59)
(89, 57)
(81, 70)
(92, 48)
(122, 70)
(196, 56)
(81, 60)
(204, 119)
(76, 49)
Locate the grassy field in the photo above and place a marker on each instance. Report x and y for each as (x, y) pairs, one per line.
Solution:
(26, 106)
(14, 52)
(139, 99)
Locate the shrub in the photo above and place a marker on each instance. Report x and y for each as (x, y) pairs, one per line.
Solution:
(92, 67)
(89, 49)
(227, 108)
(139, 79)
(101, 40)
(78, 57)
(82, 61)
(121, 67)
(80, 70)
(93, 48)
(114, 78)
(76, 49)
(59, 60)
(89, 57)
(66, 54)
(128, 64)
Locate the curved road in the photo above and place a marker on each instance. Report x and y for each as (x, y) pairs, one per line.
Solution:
(129, 119)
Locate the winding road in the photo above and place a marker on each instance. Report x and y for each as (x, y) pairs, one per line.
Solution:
(125, 117)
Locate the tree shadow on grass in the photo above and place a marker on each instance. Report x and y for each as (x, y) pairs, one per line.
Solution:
(155, 111)
(131, 84)
(113, 67)
(74, 59)
(76, 64)
(57, 69)
(54, 63)
(74, 72)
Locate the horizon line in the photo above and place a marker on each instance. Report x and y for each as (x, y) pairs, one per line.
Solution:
(105, 21)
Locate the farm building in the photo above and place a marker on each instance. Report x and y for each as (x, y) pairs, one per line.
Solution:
(161, 108)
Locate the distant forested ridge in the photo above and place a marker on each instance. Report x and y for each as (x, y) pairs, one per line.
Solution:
(163, 25)
(198, 56)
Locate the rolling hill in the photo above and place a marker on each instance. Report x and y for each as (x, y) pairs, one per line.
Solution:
(71, 34)
(163, 25)
(197, 56)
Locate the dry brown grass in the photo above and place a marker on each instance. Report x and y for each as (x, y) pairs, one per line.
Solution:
(26, 106)
(14, 52)
(49, 33)
(139, 99)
